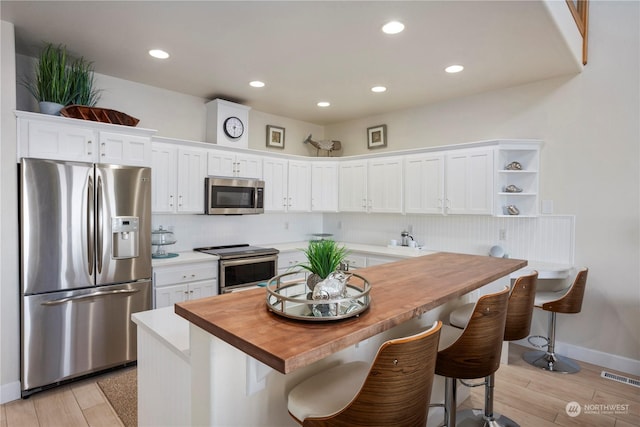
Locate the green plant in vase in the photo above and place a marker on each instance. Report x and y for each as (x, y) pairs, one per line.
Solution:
(323, 258)
(81, 75)
(52, 83)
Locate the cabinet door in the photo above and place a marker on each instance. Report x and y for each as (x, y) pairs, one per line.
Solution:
(424, 184)
(205, 288)
(169, 295)
(275, 185)
(123, 149)
(192, 166)
(469, 182)
(299, 187)
(59, 142)
(353, 186)
(324, 187)
(220, 163)
(249, 166)
(385, 185)
(163, 178)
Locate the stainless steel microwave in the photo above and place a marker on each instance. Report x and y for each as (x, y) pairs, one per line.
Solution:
(233, 196)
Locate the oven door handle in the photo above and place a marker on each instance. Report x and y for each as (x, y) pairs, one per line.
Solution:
(249, 260)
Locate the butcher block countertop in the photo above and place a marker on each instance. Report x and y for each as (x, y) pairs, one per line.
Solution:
(400, 291)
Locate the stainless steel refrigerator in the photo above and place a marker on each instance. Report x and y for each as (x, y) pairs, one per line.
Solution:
(85, 267)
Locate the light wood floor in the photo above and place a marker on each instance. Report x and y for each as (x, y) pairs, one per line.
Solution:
(530, 396)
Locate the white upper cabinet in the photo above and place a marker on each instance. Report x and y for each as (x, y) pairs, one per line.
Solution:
(353, 186)
(385, 185)
(299, 186)
(469, 182)
(61, 138)
(274, 174)
(371, 185)
(225, 163)
(424, 183)
(324, 186)
(178, 179)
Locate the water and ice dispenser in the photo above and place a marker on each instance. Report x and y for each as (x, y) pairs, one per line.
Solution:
(124, 237)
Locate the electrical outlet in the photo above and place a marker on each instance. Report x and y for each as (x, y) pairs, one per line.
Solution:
(503, 234)
(339, 225)
(410, 228)
(286, 225)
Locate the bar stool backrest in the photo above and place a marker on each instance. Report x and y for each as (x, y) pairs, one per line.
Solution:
(520, 309)
(476, 353)
(571, 302)
(397, 389)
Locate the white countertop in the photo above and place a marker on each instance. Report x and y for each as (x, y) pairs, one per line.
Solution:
(393, 251)
(183, 257)
(168, 327)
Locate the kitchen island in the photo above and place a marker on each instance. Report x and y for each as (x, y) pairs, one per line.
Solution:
(244, 359)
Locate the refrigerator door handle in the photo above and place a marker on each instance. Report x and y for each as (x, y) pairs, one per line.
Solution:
(99, 220)
(90, 226)
(91, 295)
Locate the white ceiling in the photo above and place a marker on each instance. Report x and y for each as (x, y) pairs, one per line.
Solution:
(305, 51)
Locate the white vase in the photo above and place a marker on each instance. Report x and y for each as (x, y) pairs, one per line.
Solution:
(52, 108)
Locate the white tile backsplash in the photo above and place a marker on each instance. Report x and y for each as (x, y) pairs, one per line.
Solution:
(545, 238)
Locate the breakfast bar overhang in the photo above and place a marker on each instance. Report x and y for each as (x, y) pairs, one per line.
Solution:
(245, 359)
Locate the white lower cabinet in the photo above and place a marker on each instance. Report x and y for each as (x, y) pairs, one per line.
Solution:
(287, 262)
(178, 283)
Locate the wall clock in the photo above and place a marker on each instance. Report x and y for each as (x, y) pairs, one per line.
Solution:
(233, 127)
(227, 123)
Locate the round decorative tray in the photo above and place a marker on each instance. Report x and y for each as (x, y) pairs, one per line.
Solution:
(289, 296)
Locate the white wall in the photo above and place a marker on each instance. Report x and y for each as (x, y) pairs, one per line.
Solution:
(589, 164)
(9, 272)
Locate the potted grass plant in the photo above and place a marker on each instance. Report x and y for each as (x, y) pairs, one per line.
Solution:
(81, 75)
(52, 86)
(59, 81)
(323, 258)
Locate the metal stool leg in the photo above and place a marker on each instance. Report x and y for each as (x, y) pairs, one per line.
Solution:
(450, 401)
(486, 417)
(549, 360)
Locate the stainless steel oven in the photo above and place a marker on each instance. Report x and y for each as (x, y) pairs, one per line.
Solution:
(243, 266)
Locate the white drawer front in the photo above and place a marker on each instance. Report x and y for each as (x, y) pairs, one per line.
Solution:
(187, 273)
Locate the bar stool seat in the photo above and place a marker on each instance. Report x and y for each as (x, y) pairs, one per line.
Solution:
(393, 391)
(568, 301)
(473, 352)
(517, 326)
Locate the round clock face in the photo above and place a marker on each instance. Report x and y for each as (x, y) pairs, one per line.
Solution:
(233, 127)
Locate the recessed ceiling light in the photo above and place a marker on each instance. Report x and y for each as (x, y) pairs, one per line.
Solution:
(454, 68)
(256, 83)
(158, 53)
(323, 104)
(378, 89)
(393, 27)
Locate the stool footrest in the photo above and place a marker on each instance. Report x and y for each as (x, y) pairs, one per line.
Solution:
(539, 337)
(466, 384)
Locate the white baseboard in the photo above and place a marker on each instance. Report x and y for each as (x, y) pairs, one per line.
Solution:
(9, 392)
(595, 357)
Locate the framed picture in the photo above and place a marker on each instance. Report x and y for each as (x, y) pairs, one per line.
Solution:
(377, 136)
(275, 136)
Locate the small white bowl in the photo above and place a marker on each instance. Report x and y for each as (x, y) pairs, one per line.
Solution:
(496, 251)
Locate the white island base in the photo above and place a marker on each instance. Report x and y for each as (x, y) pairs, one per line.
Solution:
(187, 376)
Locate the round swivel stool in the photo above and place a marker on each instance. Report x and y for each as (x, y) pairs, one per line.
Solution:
(517, 326)
(473, 352)
(394, 391)
(568, 301)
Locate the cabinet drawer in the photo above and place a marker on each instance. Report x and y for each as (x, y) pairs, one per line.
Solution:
(187, 273)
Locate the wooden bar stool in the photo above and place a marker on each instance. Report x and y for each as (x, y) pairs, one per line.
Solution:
(566, 301)
(394, 391)
(473, 352)
(517, 327)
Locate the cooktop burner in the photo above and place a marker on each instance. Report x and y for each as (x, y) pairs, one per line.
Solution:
(237, 251)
